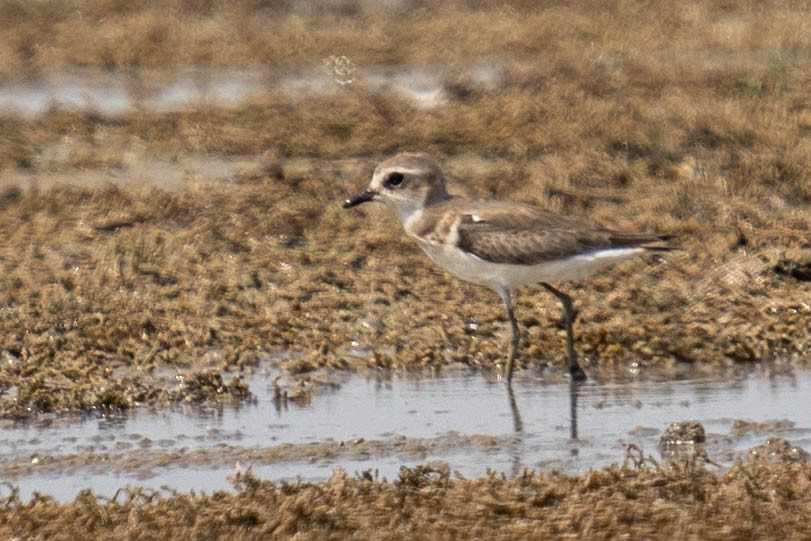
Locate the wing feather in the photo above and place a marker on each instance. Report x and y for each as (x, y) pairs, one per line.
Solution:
(515, 233)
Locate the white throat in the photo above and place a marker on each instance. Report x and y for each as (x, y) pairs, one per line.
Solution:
(407, 209)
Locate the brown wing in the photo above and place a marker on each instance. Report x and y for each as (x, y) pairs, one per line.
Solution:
(522, 234)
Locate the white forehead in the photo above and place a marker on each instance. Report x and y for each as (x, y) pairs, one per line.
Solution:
(383, 170)
(415, 162)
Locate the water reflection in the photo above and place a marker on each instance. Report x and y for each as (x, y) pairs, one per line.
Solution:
(385, 421)
(518, 424)
(112, 92)
(518, 427)
(574, 390)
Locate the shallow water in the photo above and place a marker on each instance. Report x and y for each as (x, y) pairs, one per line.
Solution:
(379, 424)
(425, 87)
(120, 92)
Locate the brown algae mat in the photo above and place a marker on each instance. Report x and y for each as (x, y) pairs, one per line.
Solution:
(102, 286)
(690, 118)
(756, 499)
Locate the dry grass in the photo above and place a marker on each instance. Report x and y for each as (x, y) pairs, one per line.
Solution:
(218, 275)
(51, 36)
(605, 110)
(691, 118)
(752, 501)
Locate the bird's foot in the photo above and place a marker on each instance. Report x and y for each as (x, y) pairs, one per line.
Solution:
(576, 374)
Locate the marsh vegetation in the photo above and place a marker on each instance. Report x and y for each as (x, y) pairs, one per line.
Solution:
(207, 239)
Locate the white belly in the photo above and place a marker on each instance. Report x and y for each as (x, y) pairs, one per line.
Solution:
(500, 275)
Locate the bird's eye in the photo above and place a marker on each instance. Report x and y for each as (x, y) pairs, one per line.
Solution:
(394, 179)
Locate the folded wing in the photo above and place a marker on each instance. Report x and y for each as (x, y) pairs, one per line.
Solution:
(527, 235)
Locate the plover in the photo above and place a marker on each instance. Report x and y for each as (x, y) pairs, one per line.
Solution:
(499, 244)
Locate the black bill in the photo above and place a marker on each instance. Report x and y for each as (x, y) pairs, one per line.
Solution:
(363, 197)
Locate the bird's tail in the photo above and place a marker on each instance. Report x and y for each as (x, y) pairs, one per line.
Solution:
(653, 243)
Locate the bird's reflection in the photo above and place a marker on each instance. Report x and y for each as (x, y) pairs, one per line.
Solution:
(518, 424)
(518, 428)
(574, 392)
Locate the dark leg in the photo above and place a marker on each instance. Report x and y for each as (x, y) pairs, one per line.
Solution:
(505, 296)
(575, 371)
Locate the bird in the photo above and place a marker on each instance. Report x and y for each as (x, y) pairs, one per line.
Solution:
(499, 244)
